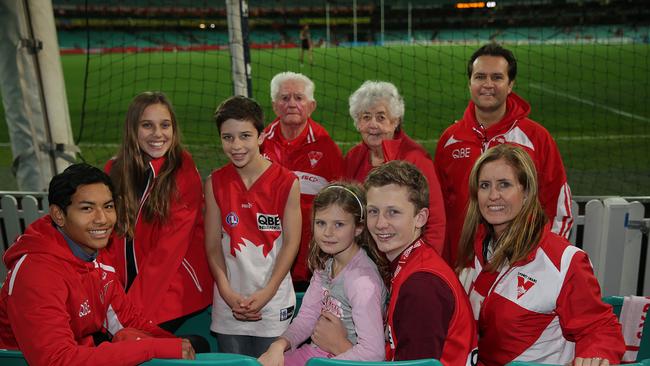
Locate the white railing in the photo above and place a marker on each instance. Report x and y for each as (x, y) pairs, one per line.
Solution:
(610, 229)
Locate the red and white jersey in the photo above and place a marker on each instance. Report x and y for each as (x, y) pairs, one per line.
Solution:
(316, 160)
(544, 309)
(463, 142)
(251, 221)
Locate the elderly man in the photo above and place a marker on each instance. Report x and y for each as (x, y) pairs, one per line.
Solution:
(303, 146)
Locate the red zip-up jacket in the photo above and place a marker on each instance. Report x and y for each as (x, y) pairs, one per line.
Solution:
(52, 302)
(401, 147)
(173, 277)
(546, 308)
(463, 142)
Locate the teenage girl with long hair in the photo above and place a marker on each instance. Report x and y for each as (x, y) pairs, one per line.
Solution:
(159, 255)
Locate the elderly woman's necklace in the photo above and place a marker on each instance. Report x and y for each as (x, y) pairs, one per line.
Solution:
(376, 159)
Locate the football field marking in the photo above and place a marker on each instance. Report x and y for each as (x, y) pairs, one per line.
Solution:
(590, 103)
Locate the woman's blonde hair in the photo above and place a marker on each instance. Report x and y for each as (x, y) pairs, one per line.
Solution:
(351, 198)
(129, 169)
(525, 230)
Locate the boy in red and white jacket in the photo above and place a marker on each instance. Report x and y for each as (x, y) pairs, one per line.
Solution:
(59, 295)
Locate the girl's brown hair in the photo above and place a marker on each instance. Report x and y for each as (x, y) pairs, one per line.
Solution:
(525, 230)
(129, 169)
(351, 198)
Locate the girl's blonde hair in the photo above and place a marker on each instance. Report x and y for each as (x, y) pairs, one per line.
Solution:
(129, 169)
(351, 198)
(525, 230)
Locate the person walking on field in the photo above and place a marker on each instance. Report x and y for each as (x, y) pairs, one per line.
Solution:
(306, 45)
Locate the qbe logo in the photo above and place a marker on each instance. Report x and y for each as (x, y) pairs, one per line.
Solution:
(232, 219)
(267, 222)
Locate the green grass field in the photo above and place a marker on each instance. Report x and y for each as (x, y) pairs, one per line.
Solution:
(593, 99)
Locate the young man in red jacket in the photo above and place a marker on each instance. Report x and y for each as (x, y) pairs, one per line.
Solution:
(429, 314)
(496, 115)
(59, 296)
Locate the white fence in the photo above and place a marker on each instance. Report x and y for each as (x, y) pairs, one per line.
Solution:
(613, 230)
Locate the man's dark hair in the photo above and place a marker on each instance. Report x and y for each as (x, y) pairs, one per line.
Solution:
(64, 185)
(494, 49)
(240, 108)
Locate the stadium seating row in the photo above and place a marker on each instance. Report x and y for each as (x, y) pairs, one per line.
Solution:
(69, 39)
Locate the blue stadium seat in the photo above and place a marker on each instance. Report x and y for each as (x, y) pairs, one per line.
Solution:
(215, 359)
(332, 362)
(12, 358)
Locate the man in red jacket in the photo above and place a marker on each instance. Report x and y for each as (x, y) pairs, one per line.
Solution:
(496, 115)
(300, 144)
(59, 296)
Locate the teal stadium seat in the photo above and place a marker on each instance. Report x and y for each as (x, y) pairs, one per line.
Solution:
(199, 324)
(644, 347)
(12, 358)
(215, 359)
(299, 296)
(643, 357)
(332, 362)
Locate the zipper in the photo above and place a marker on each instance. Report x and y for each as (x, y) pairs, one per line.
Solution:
(137, 217)
(486, 142)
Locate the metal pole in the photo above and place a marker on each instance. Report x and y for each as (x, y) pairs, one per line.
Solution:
(327, 22)
(354, 19)
(239, 51)
(382, 21)
(410, 22)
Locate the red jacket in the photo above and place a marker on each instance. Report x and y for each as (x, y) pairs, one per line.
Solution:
(463, 142)
(544, 309)
(173, 275)
(459, 346)
(401, 147)
(52, 302)
(316, 160)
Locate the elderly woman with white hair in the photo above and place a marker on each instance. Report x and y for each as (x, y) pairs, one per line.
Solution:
(377, 110)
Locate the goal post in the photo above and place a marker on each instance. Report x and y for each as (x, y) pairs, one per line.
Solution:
(33, 93)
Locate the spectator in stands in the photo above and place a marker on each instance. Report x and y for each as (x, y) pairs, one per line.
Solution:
(300, 144)
(306, 45)
(59, 295)
(496, 115)
(160, 255)
(534, 295)
(378, 111)
(429, 315)
(252, 234)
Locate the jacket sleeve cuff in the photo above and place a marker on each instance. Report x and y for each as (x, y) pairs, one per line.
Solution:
(167, 347)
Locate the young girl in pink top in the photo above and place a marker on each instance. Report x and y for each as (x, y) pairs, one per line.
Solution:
(346, 284)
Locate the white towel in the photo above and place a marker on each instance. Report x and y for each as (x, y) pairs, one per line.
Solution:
(633, 317)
